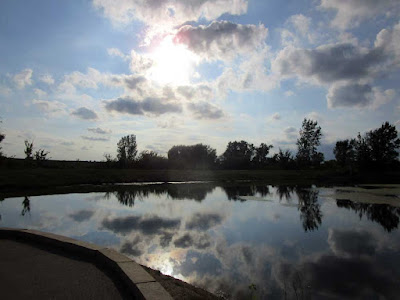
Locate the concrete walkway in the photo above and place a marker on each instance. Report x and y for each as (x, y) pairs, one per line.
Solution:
(40, 265)
(27, 272)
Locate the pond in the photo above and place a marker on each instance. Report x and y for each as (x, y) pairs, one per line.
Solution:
(242, 241)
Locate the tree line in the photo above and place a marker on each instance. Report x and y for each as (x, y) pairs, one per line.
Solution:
(376, 149)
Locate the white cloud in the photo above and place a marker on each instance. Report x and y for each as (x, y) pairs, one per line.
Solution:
(88, 80)
(40, 93)
(389, 41)
(275, 117)
(315, 116)
(23, 78)
(352, 13)
(53, 108)
(289, 93)
(172, 122)
(116, 52)
(301, 23)
(47, 78)
(5, 91)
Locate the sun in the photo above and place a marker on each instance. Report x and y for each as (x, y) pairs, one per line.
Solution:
(172, 63)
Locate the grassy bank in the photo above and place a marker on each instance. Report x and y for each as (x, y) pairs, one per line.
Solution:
(39, 178)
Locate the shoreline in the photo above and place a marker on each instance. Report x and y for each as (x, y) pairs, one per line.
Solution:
(44, 180)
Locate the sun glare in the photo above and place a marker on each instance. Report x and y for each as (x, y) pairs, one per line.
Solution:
(172, 63)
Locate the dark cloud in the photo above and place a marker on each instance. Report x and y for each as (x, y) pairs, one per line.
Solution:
(184, 241)
(67, 143)
(81, 215)
(290, 130)
(84, 113)
(99, 130)
(199, 92)
(203, 221)
(132, 248)
(132, 82)
(168, 12)
(205, 110)
(350, 95)
(165, 239)
(94, 139)
(198, 241)
(221, 39)
(146, 224)
(155, 106)
(329, 63)
(349, 243)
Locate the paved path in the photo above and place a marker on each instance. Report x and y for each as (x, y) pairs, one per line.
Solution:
(27, 272)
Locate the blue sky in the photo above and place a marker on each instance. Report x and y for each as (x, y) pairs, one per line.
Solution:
(75, 76)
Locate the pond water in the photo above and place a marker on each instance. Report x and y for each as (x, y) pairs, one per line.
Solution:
(241, 241)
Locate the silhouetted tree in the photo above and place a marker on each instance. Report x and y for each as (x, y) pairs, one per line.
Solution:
(127, 149)
(345, 152)
(152, 160)
(238, 155)
(378, 148)
(284, 159)
(383, 143)
(28, 150)
(2, 136)
(310, 136)
(192, 157)
(261, 155)
(363, 152)
(41, 155)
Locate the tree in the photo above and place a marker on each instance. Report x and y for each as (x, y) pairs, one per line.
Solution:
(197, 156)
(41, 155)
(284, 158)
(127, 149)
(28, 150)
(238, 155)
(345, 152)
(152, 160)
(2, 136)
(377, 148)
(261, 153)
(383, 144)
(310, 136)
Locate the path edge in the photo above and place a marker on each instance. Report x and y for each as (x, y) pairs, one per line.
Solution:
(135, 278)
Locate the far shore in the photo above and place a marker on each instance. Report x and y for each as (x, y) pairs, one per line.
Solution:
(35, 181)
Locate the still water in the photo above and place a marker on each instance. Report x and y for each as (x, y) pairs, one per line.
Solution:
(246, 241)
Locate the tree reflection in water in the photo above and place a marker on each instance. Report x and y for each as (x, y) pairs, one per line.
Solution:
(127, 195)
(310, 209)
(285, 192)
(26, 206)
(234, 192)
(384, 214)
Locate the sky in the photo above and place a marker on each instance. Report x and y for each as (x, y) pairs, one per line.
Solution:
(76, 76)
